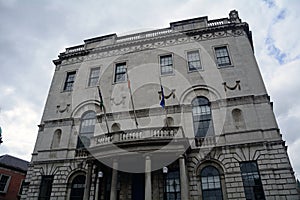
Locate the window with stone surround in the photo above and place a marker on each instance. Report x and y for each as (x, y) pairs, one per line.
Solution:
(77, 187)
(166, 64)
(211, 183)
(4, 183)
(251, 181)
(222, 56)
(70, 79)
(172, 185)
(94, 76)
(120, 72)
(193, 59)
(46, 187)
(87, 126)
(202, 118)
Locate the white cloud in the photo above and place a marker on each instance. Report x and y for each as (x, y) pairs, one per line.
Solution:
(33, 33)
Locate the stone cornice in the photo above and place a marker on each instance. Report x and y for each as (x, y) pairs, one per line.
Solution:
(79, 54)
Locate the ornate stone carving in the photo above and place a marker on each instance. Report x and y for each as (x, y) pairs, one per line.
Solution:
(62, 110)
(236, 86)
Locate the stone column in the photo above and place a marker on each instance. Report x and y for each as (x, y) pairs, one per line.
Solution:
(88, 179)
(183, 179)
(97, 189)
(148, 186)
(114, 181)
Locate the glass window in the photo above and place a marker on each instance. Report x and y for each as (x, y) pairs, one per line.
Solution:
(120, 72)
(172, 185)
(222, 56)
(193, 58)
(46, 187)
(77, 188)
(201, 117)
(211, 184)
(94, 76)
(251, 180)
(4, 182)
(69, 81)
(166, 65)
(87, 127)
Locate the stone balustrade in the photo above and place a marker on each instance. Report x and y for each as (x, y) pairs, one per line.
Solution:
(138, 134)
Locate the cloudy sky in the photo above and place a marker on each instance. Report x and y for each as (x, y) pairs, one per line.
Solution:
(33, 32)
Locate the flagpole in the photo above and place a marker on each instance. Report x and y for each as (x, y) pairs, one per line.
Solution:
(163, 102)
(131, 98)
(102, 106)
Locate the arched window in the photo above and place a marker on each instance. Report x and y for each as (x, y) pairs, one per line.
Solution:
(211, 183)
(202, 117)
(56, 139)
(77, 188)
(87, 128)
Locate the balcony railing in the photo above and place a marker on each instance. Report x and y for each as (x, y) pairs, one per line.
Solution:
(206, 141)
(138, 134)
(218, 22)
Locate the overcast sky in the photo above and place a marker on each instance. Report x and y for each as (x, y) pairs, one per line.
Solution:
(33, 32)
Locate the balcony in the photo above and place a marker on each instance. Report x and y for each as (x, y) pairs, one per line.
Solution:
(140, 140)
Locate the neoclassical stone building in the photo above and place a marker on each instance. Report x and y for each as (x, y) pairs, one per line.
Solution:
(174, 113)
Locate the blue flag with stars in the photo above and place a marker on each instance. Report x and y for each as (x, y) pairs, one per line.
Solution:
(162, 102)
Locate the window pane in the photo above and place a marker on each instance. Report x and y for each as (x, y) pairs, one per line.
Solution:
(69, 81)
(120, 72)
(222, 56)
(172, 186)
(3, 182)
(194, 60)
(166, 64)
(94, 76)
(211, 183)
(46, 187)
(251, 181)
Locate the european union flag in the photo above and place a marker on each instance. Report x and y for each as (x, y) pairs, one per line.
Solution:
(162, 102)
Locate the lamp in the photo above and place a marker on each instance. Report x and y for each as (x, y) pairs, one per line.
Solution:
(100, 174)
(165, 170)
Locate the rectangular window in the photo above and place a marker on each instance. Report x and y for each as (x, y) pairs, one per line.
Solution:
(120, 72)
(193, 58)
(222, 56)
(94, 76)
(69, 81)
(166, 65)
(172, 185)
(46, 187)
(4, 183)
(251, 180)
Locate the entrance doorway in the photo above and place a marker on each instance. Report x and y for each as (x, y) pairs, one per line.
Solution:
(138, 186)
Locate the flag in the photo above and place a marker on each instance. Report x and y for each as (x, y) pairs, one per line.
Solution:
(101, 99)
(162, 102)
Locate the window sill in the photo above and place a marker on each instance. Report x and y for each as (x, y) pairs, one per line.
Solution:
(225, 66)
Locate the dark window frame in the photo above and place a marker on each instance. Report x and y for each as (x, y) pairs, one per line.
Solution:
(166, 64)
(252, 181)
(172, 185)
(120, 72)
(94, 77)
(4, 185)
(87, 129)
(194, 64)
(222, 56)
(69, 81)
(202, 117)
(211, 183)
(46, 187)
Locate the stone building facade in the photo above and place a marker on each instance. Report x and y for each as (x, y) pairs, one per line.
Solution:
(174, 113)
